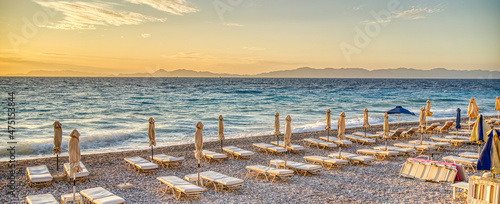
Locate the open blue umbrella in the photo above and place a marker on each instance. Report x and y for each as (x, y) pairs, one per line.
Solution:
(399, 110)
(457, 121)
(489, 157)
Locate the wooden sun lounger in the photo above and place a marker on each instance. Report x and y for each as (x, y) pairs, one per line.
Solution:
(292, 148)
(445, 127)
(218, 180)
(428, 171)
(454, 142)
(269, 172)
(395, 135)
(420, 148)
(326, 162)
(368, 135)
(431, 128)
(213, 156)
(457, 137)
(470, 155)
(78, 176)
(439, 145)
(38, 175)
(353, 158)
(301, 168)
(41, 199)
(468, 162)
(167, 160)
(402, 151)
(180, 187)
(410, 132)
(269, 148)
(483, 190)
(237, 152)
(379, 154)
(100, 195)
(360, 140)
(308, 142)
(140, 164)
(342, 143)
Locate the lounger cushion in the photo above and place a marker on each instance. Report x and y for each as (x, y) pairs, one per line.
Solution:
(462, 160)
(166, 158)
(320, 142)
(292, 146)
(368, 135)
(221, 178)
(39, 174)
(181, 185)
(270, 170)
(270, 147)
(326, 160)
(141, 163)
(302, 166)
(110, 200)
(84, 173)
(101, 195)
(41, 199)
(238, 151)
(214, 155)
(472, 155)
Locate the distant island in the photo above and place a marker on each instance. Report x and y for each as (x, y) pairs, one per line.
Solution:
(303, 72)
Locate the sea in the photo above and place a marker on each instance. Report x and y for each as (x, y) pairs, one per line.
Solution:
(112, 114)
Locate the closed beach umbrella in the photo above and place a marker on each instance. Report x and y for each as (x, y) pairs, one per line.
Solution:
(328, 126)
(366, 124)
(151, 135)
(428, 112)
(497, 107)
(479, 132)
(57, 142)
(288, 134)
(472, 110)
(198, 144)
(386, 128)
(74, 157)
(457, 121)
(341, 130)
(422, 122)
(399, 110)
(489, 159)
(277, 126)
(221, 131)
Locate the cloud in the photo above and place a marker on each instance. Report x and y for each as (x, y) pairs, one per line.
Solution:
(187, 55)
(176, 7)
(253, 48)
(410, 14)
(356, 8)
(86, 15)
(232, 24)
(146, 35)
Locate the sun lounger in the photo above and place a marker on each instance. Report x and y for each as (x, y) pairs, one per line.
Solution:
(38, 175)
(483, 190)
(402, 151)
(293, 148)
(439, 145)
(78, 176)
(342, 143)
(41, 199)
(318, 143)
(445, 127)
(470, 155)
(368, 135)
(410, 132)
(360, 140)
(378, 153)
(100, 195)
(428, 170)
(213, 156)
(140, 164)
(168, 161)
(218, 180)
(269, 148)
(457, 137)
(267, 172)
(396, 135)
(326, 162)
(180, 187)
(237, 152)
(462, 133)
(454, 142)
(301, 168)
(420, 148)
(432, 128)
(353, 158)
(468, 162)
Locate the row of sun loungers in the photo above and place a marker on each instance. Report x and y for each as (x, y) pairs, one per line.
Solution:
(96, 195)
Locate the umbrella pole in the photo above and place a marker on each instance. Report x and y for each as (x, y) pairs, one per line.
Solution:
(421, 135)
(221, 146)
(398, 120)
(328, 135)
(151, 153)
(365, 132)
(198, 181)
(286, 153)
(74, 186)
(340, 150)
(57, 163)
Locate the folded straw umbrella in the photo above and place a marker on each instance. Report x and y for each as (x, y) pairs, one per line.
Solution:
(457, 121)
(422, 122)
(328, 126)
(489, 159)
(366, 124)
(198, 144)
(151, 135)
(287, 135)
(497, 106)
(277, 126)
(472, 110)
(428, 112)
(221, 131)
(386, 128)
(74, 157)
(341, 130)
(57, 142)
(479, 132)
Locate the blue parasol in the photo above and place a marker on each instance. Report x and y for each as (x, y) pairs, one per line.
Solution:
(457, 121)
(399, 110)
(486, 158)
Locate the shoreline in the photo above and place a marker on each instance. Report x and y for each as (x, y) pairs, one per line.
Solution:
(378, 182)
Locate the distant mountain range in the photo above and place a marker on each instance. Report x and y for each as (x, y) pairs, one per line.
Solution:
(304, 72)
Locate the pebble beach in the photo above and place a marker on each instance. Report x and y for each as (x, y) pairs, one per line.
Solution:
(378, 182)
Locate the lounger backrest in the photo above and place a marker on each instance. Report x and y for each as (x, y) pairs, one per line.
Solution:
(398, 132)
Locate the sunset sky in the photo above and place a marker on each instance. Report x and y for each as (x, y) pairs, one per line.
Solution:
(246, 36)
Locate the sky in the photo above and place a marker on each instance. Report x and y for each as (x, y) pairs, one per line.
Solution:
(99, 37)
